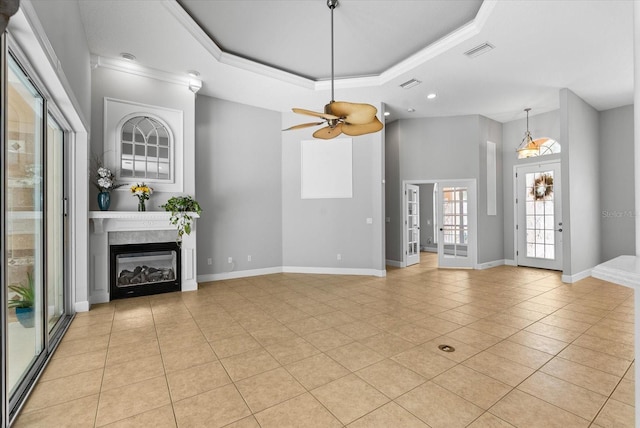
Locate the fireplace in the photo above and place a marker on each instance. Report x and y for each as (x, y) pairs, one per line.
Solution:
(144, 269)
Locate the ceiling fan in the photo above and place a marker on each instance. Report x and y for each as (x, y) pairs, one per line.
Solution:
(341, 117)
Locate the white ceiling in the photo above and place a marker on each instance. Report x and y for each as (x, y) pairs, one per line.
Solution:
(276, 54)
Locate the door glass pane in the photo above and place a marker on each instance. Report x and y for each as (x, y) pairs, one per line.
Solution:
(23, 224)
(454, 221)
(55, 222)
(540, 236)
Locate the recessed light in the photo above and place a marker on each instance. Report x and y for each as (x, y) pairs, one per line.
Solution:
(431, 96)
(128, 56)
(193, 73)
(387, 113)
(411, 109)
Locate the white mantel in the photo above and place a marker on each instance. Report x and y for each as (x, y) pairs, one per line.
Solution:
(106, 222)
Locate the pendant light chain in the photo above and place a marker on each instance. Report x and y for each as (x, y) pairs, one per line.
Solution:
(332, 6)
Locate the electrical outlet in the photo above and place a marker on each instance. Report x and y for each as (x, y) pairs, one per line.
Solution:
(209, 261)
(249, 258)
(339, 256)
(230, 260)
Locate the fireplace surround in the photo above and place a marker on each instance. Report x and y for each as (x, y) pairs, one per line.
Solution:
(127, 227)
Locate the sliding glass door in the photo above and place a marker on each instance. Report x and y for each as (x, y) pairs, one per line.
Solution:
(34, 231)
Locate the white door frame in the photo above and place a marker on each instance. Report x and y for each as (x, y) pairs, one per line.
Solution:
(473, 247)
(515, 197)
(471, 260)
(413, 258)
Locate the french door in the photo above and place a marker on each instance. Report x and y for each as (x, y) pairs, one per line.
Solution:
(539, 216)
(457, 219)
(412, 224)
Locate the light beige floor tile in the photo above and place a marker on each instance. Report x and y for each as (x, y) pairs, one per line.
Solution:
(597, 360)
(134, 322)
(349, 398)
(438, 407)
(189, 356)
(625, 392)
(520, 354)
(553, 332)
(133, 335)
(328, 339)
(358, 330)
(76, 413)
(499, 368)
(565, 395)
(301, 411)
(538, 342)
(387, 344)
(157, 418)
(462, 351)
(424, 362)
(73, 364)
(291, 350)
(606, 346)
(316, 370)
(616, 415)
(130, 400)
(475, 338)
(81, 346)
(493, 328)
(196, 380)
(390, 378)
(269, 388)
(61, 390)
(234, 345)
(249, 364)
(487, 420)
(481, 390)
(355, 356)
(565, 323)
(415, 334)
(124, 353)
(586, 377)
(389, 415)
(118, 375)
(307, 326)
(524, 410)
(215, 408)
(438, 325)
(248, 422)
(272, 335)
(86, 331)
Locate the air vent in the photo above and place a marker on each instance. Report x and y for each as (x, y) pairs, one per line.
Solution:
(479, 50)
(410, 84)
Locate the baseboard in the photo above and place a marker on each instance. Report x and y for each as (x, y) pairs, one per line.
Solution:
(492, 264)
(335, 271)
(238, 274)
(577, 276)
(393, 263)
(81, 306)
(510, 262)
(102, 297)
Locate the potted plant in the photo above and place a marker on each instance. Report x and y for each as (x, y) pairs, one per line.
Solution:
(23, 301)
(181, 208)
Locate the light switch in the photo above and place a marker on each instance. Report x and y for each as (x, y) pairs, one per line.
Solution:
(369, 220)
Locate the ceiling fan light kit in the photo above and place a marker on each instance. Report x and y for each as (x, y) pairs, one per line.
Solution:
(341, 117)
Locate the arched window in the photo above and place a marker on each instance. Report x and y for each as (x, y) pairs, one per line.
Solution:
(539, 147)
(146, 149)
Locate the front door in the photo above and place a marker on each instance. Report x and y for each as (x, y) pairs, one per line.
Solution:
(539, 216)
(457, 231)
(412, 224)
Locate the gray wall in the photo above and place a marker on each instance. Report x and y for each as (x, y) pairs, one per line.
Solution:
(445, 148)
(580, 174)
(617, 190)
(541, 125)
(61, 21)
(316, 230)
(125, 86)
(393, 208)
(239, 185)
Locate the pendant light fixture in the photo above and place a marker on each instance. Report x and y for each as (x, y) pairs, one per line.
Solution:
(528, 147)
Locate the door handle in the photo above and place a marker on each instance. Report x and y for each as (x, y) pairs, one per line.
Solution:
(441, 230)
(559, 230)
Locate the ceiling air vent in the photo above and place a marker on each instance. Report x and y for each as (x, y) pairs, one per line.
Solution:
(479, 50)
(410, 84)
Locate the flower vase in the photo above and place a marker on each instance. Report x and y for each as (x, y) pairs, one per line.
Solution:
(104, 200)
(141, 206)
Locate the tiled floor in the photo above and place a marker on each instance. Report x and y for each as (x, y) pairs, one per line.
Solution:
(318, 350)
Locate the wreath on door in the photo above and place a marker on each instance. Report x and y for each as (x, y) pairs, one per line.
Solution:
(542, 187)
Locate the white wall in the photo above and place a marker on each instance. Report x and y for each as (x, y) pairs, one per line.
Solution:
(617, 190)
(239, 186)
(130, 87)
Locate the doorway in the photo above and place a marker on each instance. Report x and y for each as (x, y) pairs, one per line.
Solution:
(440, 216)
(538, 215)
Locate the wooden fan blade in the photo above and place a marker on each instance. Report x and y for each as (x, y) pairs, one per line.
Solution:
(354, 130)
(328, 132)
(354, 113)
(314, 113)
(303, 125)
